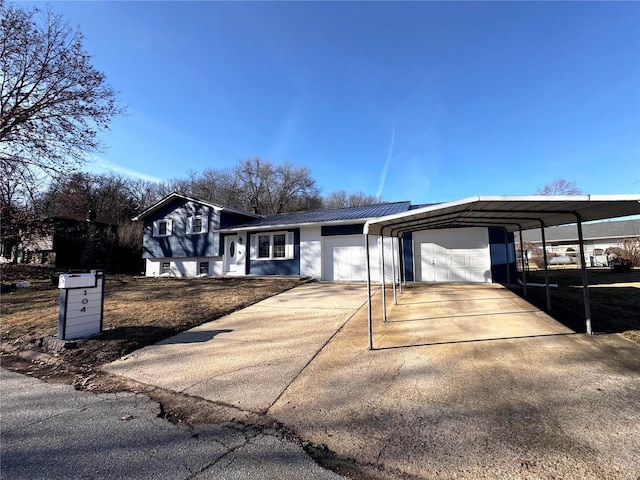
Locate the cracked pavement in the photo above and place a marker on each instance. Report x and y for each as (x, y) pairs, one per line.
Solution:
(54, 431)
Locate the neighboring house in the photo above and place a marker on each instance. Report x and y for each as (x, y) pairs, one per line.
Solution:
(598, 238)
(185, 236)
(69, 242)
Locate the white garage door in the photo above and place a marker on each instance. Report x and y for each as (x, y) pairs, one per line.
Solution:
(452, 255)
(343, 258)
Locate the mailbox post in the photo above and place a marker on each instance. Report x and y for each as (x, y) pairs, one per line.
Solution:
(81, 304)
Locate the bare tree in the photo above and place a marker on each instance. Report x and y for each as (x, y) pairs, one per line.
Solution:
(342, 199)
(559, 187)
(276, 188)
(143, 194)
(108, 197)
(627, 254)
(256, 185)
(52, 100)
(220, 185)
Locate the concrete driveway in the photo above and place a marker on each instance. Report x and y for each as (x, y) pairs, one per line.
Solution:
(247, 359)
(467, 381)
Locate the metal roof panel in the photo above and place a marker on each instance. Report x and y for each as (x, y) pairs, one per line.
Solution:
(342, 215)
(512, 212)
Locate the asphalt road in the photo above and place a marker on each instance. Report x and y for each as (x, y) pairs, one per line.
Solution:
(53, 431)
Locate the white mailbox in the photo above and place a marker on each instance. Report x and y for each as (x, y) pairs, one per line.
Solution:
(77, 280)
(81, 304)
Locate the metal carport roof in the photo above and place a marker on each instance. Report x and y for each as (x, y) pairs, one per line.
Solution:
(513, 213)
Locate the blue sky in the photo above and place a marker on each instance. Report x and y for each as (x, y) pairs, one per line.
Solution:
(420, 101)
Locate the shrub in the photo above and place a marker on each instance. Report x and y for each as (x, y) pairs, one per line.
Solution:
(627, 255)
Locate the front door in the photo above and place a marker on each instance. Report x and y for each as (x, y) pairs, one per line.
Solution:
(230, 254)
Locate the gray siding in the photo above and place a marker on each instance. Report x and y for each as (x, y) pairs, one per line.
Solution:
(179, 244)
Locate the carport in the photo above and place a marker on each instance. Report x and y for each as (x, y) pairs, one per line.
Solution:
(511, 213)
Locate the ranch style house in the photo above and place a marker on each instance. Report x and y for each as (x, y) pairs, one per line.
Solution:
(187, 237)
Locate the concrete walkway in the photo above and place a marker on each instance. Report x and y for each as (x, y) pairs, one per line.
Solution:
(466, 381)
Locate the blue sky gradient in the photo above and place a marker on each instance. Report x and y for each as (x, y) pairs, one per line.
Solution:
(420, 101)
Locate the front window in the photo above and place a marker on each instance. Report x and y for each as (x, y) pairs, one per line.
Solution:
(272, 246)
(166, 267)
(162, 228)
(279, 246)
(204, 268)
(264, 244)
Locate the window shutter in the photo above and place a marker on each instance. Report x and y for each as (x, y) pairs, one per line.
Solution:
(290, 245)
(205, 223)
(189, 225)
(169, 226)
(155, 228)
(254, 247)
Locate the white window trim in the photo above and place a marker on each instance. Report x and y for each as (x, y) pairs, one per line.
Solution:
(288, 239)
(156, 227)
(204, 222)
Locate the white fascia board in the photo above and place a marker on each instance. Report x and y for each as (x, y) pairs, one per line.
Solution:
(286, 226)
(534, 198)
(615, 198)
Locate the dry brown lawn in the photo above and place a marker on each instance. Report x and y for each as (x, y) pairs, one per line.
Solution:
(137, 311)
(141, 311)
(615, 299)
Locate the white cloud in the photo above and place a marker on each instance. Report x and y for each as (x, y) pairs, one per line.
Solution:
(105, 165)
(385, 169)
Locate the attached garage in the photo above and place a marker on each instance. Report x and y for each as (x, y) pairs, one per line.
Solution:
(343, 258)
(452, 255)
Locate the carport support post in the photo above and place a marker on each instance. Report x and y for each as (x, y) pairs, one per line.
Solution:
(366, 249)
(393, 265)
(401, 266)
(506, 256)
(546, 266)
(384, 297)
(524, 273)
(585, 281)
